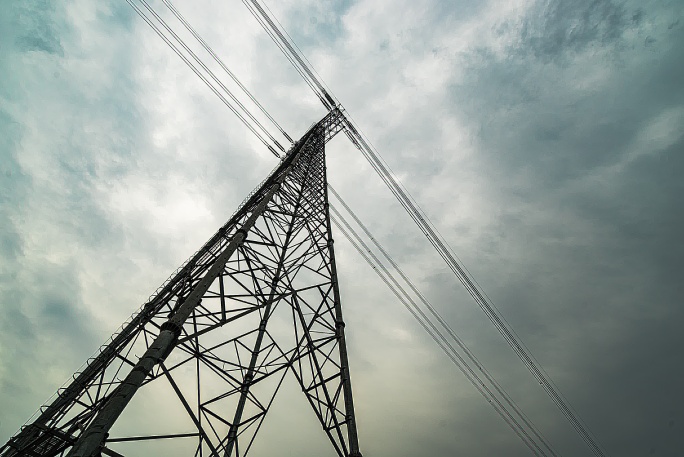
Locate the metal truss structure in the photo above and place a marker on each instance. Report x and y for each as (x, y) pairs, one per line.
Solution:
(259, 300)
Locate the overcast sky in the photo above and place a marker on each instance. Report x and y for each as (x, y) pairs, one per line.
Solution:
(543, 138)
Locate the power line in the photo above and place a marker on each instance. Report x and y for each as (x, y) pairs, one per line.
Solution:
(473, 359)
(434, 332)
(204, 79)
(380, 167)
(320, 83)
(445, 251)
(490, 310)
(288, 48)
(206, 46)
(286, 53)
(430, 328)
(211, 74)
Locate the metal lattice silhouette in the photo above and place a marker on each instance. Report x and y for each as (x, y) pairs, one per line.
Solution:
(213, 335)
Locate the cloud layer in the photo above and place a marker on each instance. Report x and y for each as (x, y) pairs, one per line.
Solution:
(542, 137)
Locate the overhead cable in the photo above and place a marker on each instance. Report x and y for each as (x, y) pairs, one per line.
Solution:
(437, 336)
(212, 75)
(211, 52)
(444, 325)
(204, 79)
(490, 310)
(289, 51)
(438, 242)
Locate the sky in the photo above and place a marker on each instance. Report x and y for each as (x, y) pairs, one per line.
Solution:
(543, 138)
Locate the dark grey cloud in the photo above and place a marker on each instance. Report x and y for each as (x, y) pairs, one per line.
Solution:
(577, 124)
(36, 28)
(556, 28)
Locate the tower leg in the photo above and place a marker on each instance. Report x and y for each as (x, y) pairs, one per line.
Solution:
(342, 344)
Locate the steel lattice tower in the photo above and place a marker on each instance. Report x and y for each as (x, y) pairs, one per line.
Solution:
(211, 319)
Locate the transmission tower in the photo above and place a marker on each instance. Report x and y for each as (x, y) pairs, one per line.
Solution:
(216, 318)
